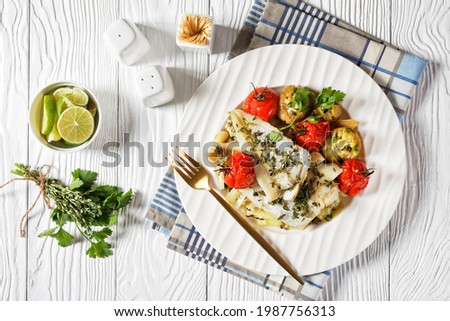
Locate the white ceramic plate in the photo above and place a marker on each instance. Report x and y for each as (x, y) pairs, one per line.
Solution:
(327, 245)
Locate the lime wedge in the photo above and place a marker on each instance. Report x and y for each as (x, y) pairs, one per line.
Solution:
(79, 97)
(76, 125)
(48, 114)
(63, 91)
(54, 136)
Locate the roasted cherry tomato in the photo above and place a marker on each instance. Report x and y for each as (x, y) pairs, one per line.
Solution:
(240, 171)
(311, 134)
(354, 177)
(262, 102)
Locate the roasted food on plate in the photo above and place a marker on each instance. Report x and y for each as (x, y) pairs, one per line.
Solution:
(296, 174)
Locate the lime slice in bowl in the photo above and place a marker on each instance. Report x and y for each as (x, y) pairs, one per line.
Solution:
(63, 91)
(48, 114)
(79, 97)
(76, 125)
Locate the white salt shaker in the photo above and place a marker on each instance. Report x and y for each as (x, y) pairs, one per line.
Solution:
(195, 32)
(125, 41)
(155, 85)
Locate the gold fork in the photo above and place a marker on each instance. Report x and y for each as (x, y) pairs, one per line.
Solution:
(198, 178)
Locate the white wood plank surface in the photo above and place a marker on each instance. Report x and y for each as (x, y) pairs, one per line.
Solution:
(42, 41)
(420, 238)
(14, 57)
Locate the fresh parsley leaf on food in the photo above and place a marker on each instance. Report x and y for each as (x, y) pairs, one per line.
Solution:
(274, 136)
(328, 97)
(302, 99)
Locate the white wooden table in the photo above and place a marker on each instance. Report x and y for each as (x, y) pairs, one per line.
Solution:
(42, 41)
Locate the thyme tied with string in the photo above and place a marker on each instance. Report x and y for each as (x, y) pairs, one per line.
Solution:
(92, 209)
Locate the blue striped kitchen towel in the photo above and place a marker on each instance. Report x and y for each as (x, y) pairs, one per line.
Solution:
(294, 21)
(289, 21)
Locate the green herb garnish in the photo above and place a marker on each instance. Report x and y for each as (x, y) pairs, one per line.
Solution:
(314, 119)
(328, 97)
(302, 99)
(93, 209)
(274, 136)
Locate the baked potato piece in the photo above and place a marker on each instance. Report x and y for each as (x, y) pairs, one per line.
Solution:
(343, 143)
(349, 123)
(295, 103)
(331, 113)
